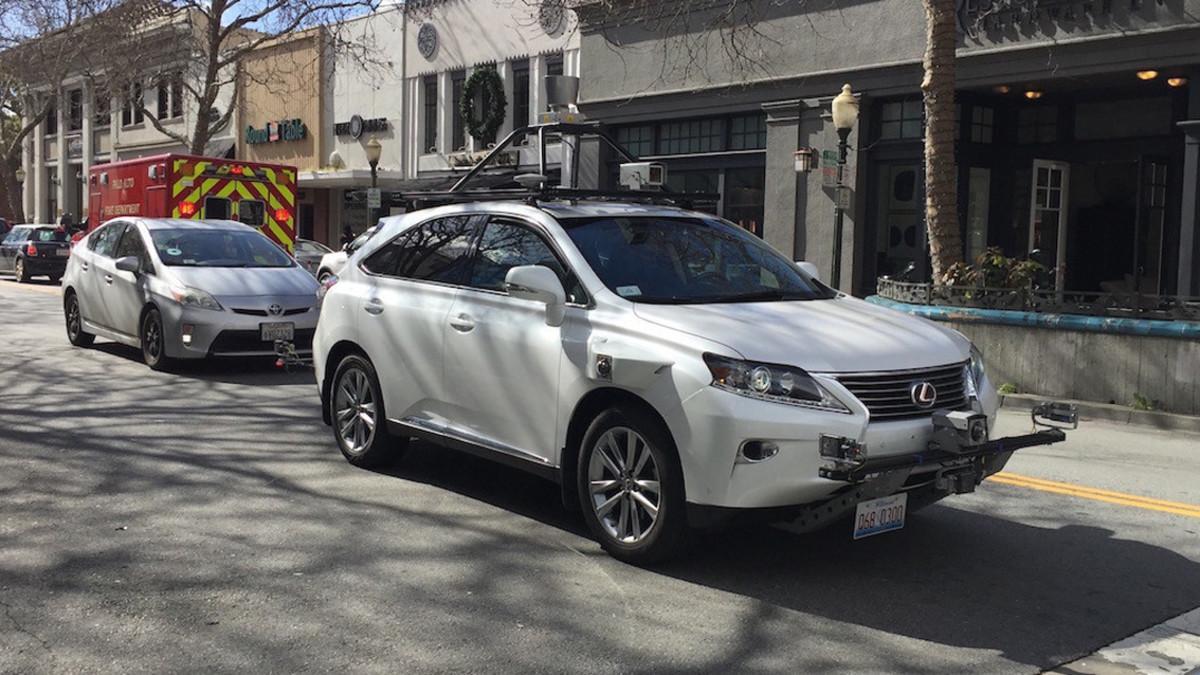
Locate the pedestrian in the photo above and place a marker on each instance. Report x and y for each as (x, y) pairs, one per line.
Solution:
(66, 223)
(347, 236)
(3, 227)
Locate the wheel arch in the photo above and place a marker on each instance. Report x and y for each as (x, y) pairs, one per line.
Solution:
(592, 404)
(339, 351)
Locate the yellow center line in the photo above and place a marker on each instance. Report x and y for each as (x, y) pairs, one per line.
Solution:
(1096, 494)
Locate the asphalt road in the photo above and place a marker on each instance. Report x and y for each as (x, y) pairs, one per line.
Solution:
(204, 520)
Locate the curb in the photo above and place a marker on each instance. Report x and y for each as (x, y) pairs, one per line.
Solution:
(1170, 648)
(1111, 413)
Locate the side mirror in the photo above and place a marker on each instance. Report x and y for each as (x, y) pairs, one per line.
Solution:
(129, 263)
(809, 268)
(540, 284)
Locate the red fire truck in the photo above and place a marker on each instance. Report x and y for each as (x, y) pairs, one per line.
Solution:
(183, 186)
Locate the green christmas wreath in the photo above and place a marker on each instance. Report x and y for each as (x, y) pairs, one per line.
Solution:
(486, 85)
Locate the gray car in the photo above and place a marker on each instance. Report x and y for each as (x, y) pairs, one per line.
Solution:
(187, 289)
(309, 254)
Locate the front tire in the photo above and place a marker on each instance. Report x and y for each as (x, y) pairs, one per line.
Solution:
(359, 420)
(154, 351)
(75, 332)
(21, 272)
(630, 487)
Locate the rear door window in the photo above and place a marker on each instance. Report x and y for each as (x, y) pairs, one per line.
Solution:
(438, 251)
(216, 208)
(17, 236)
(252, 212)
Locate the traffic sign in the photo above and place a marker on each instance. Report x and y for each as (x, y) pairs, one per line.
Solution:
(374, 198)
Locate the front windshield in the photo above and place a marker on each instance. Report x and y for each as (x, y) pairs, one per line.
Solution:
(687, 260)
(217, 248)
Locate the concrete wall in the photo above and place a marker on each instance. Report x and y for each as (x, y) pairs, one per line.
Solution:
(1091, 366)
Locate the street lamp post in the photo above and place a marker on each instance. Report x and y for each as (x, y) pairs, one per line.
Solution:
(374, 150)
(845, 114)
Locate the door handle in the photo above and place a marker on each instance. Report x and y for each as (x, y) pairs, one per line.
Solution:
(83, 266)
(108, 278)
(462, 323)
(374, 306)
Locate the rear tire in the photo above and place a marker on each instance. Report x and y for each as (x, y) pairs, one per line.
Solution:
(55, 278)
(75, 332)
(154, 341)
(630, 487)
(20, 271)
(359, 420)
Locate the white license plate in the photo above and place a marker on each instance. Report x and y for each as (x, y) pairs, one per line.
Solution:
(62, 252)
(876, 516)
(277, 331)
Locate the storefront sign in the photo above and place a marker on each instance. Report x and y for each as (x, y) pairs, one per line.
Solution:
(276, 132)
(357, 126)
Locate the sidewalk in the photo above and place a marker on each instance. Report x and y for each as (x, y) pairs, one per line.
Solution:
(1090, 410)
(1170, 648)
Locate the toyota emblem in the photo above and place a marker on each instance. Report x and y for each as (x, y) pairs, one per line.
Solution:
(276, 310)
(923, 394)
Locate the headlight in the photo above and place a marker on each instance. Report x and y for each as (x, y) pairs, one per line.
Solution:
(768, 382)
(186, 295)
(973, 373)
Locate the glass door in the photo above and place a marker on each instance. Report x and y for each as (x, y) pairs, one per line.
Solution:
(1151, 214)
(1048, 216)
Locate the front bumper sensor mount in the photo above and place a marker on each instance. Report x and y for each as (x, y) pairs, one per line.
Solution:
(288, 359)
(958, 440)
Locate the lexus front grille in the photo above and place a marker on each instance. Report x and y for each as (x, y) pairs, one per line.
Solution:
(889, 395)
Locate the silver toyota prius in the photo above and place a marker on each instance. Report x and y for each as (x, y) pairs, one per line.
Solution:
(187, 289)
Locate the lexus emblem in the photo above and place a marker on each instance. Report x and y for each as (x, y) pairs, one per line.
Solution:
(276, 310)
(923, 394)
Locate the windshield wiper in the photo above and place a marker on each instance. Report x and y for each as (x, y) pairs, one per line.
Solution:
(754, 296)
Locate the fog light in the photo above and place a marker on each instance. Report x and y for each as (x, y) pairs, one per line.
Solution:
(187, 333)
(753, 452)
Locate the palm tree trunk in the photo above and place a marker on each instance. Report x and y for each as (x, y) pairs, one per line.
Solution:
(941, 167)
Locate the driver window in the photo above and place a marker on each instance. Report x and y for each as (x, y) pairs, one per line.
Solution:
(505, 245)
(104, 241)
(132, 244)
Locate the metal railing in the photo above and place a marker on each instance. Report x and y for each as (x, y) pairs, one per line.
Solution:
(1118, 304)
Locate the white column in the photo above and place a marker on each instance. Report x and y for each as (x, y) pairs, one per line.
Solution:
(505, 69)
(414, 123)
(40, 187)
(537, 85)
(89, 149)
(445, 122)
(61, 156)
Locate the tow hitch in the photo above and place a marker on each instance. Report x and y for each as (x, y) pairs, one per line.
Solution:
(287, 358)
(959, 444)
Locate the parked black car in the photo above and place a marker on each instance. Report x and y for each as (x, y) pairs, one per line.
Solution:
(35, 250)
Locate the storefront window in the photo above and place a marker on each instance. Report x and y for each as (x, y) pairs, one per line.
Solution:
(637, 140)
(901, 119)
(1037, 125)
(748, 132)
(431, 108)
(982, 124)
(979, 182)
(707, 135)
(744, 198)
(458, 136)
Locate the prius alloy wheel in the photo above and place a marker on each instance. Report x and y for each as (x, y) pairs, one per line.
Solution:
(154, 341)
(631, 486)
(75, 332)
(359, 422)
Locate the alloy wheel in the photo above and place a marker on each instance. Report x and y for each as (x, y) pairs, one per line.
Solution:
(152, 338)
(623, 480)
(73, 322)
(354, 408)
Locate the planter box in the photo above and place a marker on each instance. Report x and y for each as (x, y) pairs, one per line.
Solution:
(1106, 362)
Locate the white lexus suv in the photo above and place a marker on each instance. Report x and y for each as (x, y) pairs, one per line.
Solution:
(670, 370)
